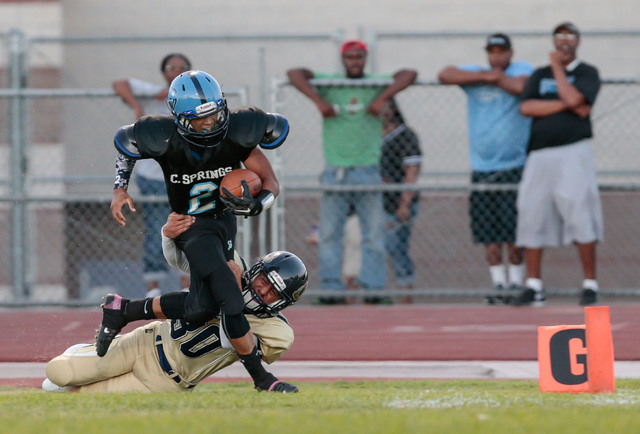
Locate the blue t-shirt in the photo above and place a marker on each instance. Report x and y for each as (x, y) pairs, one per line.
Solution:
(498, 133)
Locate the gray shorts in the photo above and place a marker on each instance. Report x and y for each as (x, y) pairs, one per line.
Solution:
(558, 198)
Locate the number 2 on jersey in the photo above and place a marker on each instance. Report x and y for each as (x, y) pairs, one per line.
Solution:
(199, 193)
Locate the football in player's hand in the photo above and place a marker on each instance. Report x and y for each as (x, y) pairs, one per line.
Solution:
(232, 182)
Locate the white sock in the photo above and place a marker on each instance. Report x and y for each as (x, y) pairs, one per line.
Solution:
(533, 283)
(498, 274)
(590, 284)
(516, 274)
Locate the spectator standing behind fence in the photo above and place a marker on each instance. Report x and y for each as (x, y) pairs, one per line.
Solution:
(352, 131)
(400, 163)
(558, 200)
(146, 99)
(498, 136)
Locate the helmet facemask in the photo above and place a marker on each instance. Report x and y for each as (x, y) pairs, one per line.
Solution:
(197, 95)
(285, 272)
(253, 302)
(209, 137)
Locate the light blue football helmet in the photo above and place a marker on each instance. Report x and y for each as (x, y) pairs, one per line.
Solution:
(194, 95)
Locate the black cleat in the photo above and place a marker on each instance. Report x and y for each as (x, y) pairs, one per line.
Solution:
(280, 387)
(112, 321)
(588, 296)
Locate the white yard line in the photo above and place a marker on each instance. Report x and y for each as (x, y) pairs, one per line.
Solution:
(370, 370)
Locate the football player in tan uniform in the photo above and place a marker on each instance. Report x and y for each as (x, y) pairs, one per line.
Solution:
(173, 355)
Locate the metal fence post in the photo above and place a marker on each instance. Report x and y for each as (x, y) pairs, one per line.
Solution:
(17, 81)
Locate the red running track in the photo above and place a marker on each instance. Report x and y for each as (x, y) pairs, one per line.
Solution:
(360, 333)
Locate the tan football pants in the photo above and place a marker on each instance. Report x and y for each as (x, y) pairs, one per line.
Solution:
(131, 364)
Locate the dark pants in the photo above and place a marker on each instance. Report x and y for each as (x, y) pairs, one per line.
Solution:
(209, 244)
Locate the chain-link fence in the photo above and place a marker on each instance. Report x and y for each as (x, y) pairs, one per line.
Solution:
(446, 260)
(56, 161)
(63, 241)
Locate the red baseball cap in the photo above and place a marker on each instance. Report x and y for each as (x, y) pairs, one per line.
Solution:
(353, 44)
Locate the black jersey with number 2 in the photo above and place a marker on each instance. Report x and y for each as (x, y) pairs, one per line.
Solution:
(192, 179)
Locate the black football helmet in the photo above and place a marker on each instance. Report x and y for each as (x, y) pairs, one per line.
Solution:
(286, 272)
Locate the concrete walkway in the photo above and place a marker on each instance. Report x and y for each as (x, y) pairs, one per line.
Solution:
(319, 370)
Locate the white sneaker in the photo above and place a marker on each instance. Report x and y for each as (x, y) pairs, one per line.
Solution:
(48, 386)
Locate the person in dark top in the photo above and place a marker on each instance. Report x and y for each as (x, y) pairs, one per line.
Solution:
(196, 147)
(399, 164)
(558, 199)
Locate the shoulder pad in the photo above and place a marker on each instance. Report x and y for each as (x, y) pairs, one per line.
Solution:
(276, 132)
(152, 133)
(247, 126)
(125, 143)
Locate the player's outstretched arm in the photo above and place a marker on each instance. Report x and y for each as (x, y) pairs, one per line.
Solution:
(124, 169)
(121, 197)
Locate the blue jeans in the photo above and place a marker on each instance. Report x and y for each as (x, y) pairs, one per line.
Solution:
(397, 239)
(334, 209)
(155, 215)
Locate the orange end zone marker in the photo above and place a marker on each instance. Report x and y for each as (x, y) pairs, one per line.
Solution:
(599, 350)
(562, 358)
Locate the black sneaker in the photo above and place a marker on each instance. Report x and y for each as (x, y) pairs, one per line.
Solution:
(378, 300)
(328, 301)
(496, 296)
(112, 321)
(588, 296)
(511, 293)
(528, 297)
(279, 387)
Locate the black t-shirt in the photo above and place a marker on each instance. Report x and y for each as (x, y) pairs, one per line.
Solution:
(397, 146)
(192, 184)
(564, 127)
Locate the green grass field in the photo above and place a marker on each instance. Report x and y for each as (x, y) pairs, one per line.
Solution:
(496, 406)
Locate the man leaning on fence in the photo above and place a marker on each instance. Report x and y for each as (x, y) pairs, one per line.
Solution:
(352, 131)
(498, 136)
(558, 199)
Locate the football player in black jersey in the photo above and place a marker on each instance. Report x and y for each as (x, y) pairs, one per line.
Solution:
(196, 148)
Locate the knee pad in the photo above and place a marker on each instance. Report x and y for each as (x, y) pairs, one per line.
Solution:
(235, 326)
(59, 371)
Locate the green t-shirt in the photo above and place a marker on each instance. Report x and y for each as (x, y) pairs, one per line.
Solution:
(354, 137)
